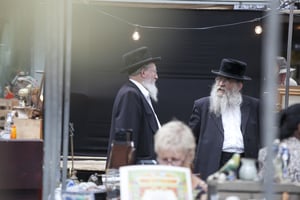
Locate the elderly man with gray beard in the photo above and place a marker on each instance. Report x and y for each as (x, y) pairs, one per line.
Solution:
(226, 122)
(132, 108)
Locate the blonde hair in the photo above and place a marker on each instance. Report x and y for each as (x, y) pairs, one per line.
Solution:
(175, 136)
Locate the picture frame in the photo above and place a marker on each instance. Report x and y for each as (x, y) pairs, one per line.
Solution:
(155, 182)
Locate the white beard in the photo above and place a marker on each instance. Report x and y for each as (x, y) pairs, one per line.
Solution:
(219, 103)
(152, 89)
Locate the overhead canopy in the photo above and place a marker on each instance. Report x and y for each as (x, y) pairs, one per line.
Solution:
(217, 4)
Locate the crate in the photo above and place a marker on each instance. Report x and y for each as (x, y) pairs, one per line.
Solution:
(28, 128)
(8, 104)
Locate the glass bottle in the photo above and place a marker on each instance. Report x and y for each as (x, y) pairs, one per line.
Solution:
(13, 132)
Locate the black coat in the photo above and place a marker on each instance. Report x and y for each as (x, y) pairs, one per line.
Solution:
(209, 133)
(132, 111)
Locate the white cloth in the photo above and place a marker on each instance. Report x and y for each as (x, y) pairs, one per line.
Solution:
(233, 138)
(293, 145)
(150, 103)
(146, 94)
(292, 82)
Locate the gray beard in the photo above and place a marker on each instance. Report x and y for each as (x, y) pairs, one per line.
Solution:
(152, 89)
(218, 104)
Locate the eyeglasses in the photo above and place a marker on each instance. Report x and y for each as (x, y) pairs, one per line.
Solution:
(172, 161)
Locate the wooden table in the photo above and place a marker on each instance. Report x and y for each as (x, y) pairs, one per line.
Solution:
(246, 190)
(85, 166)
(86, 163)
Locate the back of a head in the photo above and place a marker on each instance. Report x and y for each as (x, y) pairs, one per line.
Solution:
(288, 121)
(174, 135)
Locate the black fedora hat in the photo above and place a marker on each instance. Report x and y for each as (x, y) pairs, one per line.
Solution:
(232, 68)
(137, 58)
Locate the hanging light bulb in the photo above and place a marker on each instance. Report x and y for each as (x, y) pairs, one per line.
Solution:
(136, 35)
(258, 29)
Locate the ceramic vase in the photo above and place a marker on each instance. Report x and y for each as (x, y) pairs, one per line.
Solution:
(248, 169)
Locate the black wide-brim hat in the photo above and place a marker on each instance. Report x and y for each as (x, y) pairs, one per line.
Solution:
(137, 58)
(232, 68)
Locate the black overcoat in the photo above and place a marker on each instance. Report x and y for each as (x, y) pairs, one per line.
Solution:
(132, 111)
(209, 134)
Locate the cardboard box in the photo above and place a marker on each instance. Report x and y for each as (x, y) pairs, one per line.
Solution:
(8, 104)
(28, 128)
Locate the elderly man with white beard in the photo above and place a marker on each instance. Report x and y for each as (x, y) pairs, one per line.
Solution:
(132, 108)
(226, 122)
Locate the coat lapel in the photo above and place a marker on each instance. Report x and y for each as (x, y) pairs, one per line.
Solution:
(218, 121)
(150, 115)
(245, 110)
(148, 110)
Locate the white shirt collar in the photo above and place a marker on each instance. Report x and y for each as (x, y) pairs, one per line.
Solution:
(146, 94)
(141, 88)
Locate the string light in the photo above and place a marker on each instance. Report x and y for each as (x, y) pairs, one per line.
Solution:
(136, 35)
(180, 28)
(258, 29)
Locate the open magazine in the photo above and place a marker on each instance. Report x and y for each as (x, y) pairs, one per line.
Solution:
(153, 182)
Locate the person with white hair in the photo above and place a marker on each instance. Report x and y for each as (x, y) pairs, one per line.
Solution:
(175, 145)
(226, 122)
(132, 108)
